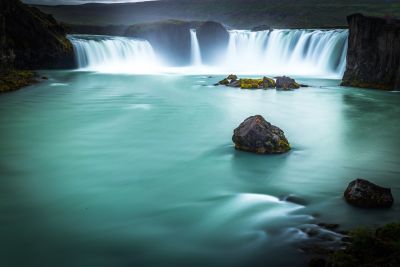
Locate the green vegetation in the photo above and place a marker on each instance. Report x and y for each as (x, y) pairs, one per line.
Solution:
(15, 79)
(372, 248)
(251, 83)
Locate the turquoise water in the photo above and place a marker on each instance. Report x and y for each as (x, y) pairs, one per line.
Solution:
(125, 170)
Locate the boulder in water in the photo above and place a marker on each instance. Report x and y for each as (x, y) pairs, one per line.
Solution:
(364, 194)
(257, 135)
(286, 83)
(251, 83)
(232, 77)
(268, 83)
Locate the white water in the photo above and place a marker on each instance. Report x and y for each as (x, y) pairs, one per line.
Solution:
(298, 52)
(277, 52)
(195, 49)
(114, 54)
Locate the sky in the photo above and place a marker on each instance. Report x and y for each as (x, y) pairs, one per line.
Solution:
(74, 2)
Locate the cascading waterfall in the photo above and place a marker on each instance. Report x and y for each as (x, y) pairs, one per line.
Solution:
(299, 52)
(195, 49)
(113, 54)
(275, 52)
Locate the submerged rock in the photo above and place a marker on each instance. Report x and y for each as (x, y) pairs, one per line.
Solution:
(286, 83)
(257, 135)
(364, 194)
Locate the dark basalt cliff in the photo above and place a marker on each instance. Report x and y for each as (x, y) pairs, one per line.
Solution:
(168, 37)
(30, 39)
(373, 57)
(213, 40)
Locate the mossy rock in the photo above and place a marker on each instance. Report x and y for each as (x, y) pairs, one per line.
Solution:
(372, 248)
(251, 83)
(15, 79)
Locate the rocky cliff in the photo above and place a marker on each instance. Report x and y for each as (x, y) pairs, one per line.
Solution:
(30, 39)
(168, 37)
(213, 40)
(373, 57)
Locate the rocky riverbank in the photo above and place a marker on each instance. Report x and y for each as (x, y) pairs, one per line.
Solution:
(29, 39)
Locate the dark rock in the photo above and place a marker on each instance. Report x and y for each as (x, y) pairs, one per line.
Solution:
(364, 194)
(304, 85)
(224, 82)
(235, 83)
(373, 56)
(329, 226)
(286, 83)
(30, 39)
(268, 83)
(232, 77)
(171, 38)
(296, 200)
(114, 30)
(213, 41)
(317, 262)
(12, 80)
(257, 135)
(261, 28)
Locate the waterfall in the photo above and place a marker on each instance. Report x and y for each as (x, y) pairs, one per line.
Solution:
(298, 52)
(195, 48)
(113, 54)
(274, 52)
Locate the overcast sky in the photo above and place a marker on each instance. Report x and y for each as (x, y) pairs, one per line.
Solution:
(74, 2)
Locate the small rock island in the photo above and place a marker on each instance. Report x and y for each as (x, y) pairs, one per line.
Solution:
(257, 135)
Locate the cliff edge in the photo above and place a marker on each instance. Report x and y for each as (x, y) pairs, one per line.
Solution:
(373, 56)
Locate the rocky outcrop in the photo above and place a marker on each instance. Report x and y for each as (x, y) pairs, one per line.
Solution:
(261, 28)
(364, 194)
(373, 57)
(170, 38)
(233, 81)
(286, 83)
(213, 41)
(257, 135)
(30, 39)
(114, 30)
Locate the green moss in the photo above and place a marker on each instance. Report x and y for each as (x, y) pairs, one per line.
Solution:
(367, 85)
(15, 79)
(370, 248)
(251, 83)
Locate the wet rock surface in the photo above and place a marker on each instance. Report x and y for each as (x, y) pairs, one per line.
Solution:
(364, 194)
(373, 56)
(257, 135)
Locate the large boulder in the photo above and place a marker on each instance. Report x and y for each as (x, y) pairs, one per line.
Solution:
(213, 41)
(364, 194)
(373, 56)
(257, 135)
(30, 39)
(286, 83)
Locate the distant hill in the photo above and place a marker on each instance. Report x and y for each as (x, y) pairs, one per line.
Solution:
(234, 13)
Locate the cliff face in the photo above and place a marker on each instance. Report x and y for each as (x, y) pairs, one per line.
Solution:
(213, 40)
(171, 38)
(373, 57)
(30, 39)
